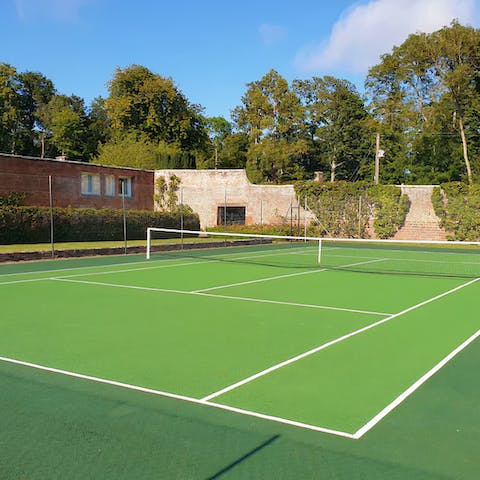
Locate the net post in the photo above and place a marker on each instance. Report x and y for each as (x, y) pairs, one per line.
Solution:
(148, 242)
(319, 251)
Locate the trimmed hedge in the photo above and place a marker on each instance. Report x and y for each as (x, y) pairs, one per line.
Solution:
(32, 224)
(281, 229)
(458, 208)
(348, 209)
(13, 199)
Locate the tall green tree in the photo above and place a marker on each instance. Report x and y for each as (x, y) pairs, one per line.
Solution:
(21, 95)
(149, 104)
(272, 116)
(35, 91)
(218, 129)
(66, 126)
(233, 153)
(99, 125)
(10, 111)
(419, 79)
(336, 126)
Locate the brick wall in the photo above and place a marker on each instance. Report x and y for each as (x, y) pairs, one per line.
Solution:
(207, 190)
(30, 175)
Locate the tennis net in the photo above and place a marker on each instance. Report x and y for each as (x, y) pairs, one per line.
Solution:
(436, 258)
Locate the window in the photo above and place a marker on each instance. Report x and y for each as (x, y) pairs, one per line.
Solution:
(231, 215)
(125, 186)
(109, 185)
(90, 184)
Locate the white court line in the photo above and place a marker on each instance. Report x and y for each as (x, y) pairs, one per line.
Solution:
(212, 295)
(283, 276)
(332, 342)
(156, 267)
(203, 401)
(103, 273)
(200, 262)
(382, 414)
(24, 281)
(417, 260)
(267, 279)
(177, 397)
(307, 305)
(85, 267)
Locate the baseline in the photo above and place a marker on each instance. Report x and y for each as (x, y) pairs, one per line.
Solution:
(177, 397)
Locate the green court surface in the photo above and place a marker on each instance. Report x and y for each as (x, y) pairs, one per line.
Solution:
(242, 362)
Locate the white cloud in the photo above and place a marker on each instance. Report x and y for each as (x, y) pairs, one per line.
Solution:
(271, 34)
(59, 10)
(366, 31)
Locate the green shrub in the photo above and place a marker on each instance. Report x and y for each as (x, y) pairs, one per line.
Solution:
(13, 199)
(32, 224)
(346, 209)
(461, 214)
(437, 201)
(281, 229)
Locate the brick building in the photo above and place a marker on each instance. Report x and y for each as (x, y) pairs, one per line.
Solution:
(76, 184)
(220, 196)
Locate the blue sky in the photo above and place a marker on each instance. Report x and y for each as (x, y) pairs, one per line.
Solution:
(211, 49)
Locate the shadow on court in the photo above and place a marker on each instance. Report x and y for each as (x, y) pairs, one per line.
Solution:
(243, 458)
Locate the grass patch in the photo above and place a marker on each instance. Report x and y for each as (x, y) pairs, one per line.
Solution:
(46, 247)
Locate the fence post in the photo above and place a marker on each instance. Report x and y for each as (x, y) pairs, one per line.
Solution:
(50, 195)
(124, 218)
(305, 217)
(360, 217)
(181, 216)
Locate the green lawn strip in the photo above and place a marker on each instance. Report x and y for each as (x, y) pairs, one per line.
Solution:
(179, 343)
(381, 293)
(347, 384)
(60, 246)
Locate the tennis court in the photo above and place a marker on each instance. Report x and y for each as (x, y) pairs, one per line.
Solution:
(230, 357)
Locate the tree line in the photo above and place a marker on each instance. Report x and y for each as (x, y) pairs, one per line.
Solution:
(422, 98)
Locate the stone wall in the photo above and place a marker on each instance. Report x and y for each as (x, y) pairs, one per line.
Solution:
(30, 175)
(207, 190)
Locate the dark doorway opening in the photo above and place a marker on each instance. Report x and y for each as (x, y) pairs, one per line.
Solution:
(231, 215)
